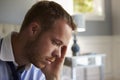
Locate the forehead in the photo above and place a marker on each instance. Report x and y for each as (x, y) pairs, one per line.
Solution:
(62, 31)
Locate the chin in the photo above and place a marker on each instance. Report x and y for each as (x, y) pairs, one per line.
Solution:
(39, 65)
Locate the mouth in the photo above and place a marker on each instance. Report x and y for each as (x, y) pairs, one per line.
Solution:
(50, 60)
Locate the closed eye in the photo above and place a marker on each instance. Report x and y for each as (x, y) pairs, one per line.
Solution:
(57, 42)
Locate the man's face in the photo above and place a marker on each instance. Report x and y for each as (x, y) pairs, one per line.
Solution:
(48, 46)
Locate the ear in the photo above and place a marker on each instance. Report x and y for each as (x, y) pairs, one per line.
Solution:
(34, 28)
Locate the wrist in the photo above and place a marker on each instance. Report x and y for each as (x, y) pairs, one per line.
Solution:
(53, 78)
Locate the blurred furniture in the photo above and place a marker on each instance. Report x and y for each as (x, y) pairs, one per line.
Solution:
(86, 67)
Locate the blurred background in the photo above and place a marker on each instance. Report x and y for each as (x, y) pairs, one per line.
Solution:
(101, 35)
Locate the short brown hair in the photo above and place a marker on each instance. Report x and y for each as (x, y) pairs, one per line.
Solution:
(46, 13)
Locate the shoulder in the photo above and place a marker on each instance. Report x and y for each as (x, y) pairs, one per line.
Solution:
(37, 70)
(33, 73)
(2, 64)
(4, 71)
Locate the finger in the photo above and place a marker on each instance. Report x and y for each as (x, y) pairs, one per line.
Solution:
(63, 51)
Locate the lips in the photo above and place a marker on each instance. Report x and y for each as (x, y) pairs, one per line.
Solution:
(51, 59)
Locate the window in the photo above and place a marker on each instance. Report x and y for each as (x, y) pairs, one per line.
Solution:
(92, 9)
(98, 11)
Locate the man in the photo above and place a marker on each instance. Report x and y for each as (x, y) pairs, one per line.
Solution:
(40, 46)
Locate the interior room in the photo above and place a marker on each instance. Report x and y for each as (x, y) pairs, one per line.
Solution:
(98, 54)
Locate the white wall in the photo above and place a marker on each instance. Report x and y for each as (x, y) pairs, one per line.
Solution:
(13, 11)
(116, 16)
(116, 31)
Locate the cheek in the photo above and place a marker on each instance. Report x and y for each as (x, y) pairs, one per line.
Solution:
(43, 48)
(47, 49)
(40, 53)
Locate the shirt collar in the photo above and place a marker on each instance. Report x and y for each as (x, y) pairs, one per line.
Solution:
(6, 53)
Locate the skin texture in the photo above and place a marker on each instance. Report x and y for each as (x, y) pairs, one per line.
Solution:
(45, 49)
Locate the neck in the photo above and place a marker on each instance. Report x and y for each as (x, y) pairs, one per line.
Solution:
(17, 45)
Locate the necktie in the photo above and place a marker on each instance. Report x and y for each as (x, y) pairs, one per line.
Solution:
(16, 73)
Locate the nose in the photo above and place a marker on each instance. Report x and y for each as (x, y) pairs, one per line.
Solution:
(57, 53)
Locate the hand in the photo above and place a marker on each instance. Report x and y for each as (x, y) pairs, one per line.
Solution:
(52, 71)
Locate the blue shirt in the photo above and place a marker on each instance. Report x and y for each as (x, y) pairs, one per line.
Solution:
(6, 54)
